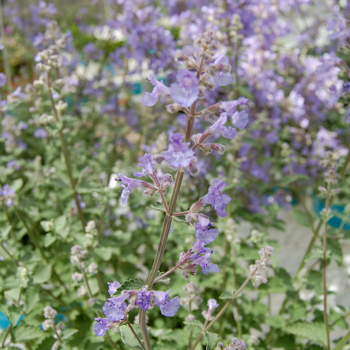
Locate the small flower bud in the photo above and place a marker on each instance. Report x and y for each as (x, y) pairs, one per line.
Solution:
(49, 312)
(47, 324)
(92, 268)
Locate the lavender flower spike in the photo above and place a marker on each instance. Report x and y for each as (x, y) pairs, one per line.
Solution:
(186, 89)
(216, 199)
(151, 98)
(147, 164)
(144, 298)
(8, 194)
(178, 154)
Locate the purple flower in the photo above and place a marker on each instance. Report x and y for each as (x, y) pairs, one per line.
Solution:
(231, 106)
(147, 164)
(143, 299)
(128, 184)
(114, 308)
(218, 127)
(42, 133)
(240, 119)
(13, 164)
(112, 287)
(2, 79)
(151, 98)
(222, 76)
(8, 194)
(204, 234)
(101, 326)
(167, 307)
(22, 125)
(216, 199)
(212, 304)
(178, 154)
(82, 204)
(186, 90)
(204, 262)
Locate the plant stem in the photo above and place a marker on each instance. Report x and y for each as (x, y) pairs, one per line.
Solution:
(166, 274)
(9, 254)
(224, 308)
(7, 333)
(166, 225)
(66, 155)
(133, 331)
(324, 270)
(343, 341)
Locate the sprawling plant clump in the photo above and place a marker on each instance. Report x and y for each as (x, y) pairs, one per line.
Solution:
(149, 152)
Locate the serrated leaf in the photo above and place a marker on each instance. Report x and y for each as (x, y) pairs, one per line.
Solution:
(226, 295)
(42, 274)
(104, 253)
(314, 255)
(300, 217)
(68, 333)
(212, 339)
(194, 323)
(128, 337)
(133, 283)
(312, 331)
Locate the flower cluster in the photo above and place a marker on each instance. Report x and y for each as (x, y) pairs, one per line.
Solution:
(235, 344)
(262, 265)
(116, 308)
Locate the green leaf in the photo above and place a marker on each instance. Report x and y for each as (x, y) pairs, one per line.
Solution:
(42, 274)
(163, 280)
(157, 206)
(47, 225)
(49, 239)
(133, 283)
(25, 334)
(104, 253)
(194, 323)
(314, 255)
(300, 217)
(278, 322)
(5, 232)
(226, 295)
(60, 223)
(128, 337)
(212, 339)
(16, 185)
(312, 331)
(336, 252)
(68, 333)
(287, 180)
(15, 313)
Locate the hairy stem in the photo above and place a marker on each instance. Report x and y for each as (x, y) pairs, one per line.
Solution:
(324, 271)
(224, 308)
(343, 341)
(134, 333)
(6, 335)
(166, 225)
(66, 155)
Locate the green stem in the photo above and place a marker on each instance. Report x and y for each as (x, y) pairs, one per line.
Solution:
(324, 271)
(66, 155)
(166, 225)
(224, 308)
(7, 333)
(342, 342)
(134, 333)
